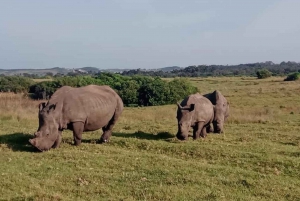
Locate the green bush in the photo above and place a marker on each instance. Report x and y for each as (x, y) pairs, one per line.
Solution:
(180, 88)
(77, 81)
(293, 77)
(155, 92)
(43, 90)
(129, 92)
(134, 91)
(15, 84)
(263, 73)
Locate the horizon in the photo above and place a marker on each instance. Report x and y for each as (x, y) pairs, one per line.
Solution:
(145, 68)
(147, 34)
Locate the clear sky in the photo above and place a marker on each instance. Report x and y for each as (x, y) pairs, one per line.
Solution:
(147, 33)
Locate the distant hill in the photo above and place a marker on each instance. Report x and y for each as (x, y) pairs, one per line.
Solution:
(169, 69)
(39, 72)
(114, 70)
(64, 71)
(249, 69)
(90, 69)
(42, 72)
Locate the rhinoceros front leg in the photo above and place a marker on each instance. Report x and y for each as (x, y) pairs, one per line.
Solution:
(58, 141)
(77, 132)
(197, 130)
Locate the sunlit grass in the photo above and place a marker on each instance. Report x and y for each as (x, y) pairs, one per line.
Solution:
(257, 158)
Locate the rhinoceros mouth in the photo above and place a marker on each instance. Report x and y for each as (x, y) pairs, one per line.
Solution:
(35, 146)
(181, 137)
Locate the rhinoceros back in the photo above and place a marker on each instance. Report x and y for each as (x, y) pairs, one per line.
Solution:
(93, 105)
(203, 108)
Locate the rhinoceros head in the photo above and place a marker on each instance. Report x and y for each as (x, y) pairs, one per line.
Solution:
(184, 118)
(48, 130)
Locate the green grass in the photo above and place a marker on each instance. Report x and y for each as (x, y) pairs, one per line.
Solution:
(258, 157)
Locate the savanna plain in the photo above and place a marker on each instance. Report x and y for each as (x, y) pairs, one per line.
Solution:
(257, 158)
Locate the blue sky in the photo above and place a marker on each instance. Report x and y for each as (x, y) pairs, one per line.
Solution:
(147, 33)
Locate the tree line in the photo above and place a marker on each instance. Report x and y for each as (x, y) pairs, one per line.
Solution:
(284, 68)
(137, 89)
(134, 90)
(251, 69)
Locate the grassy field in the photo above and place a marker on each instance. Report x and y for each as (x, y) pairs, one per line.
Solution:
(257, 158)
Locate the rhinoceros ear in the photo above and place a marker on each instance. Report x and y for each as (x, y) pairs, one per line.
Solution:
(52, 107)
(192, 107)
(41, 106)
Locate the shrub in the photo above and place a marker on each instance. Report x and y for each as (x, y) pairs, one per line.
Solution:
(43, 90)
(15, 84)
(180, 88)
(293, 76)
(77, 81)
(134, 91)
(155, 92)
(263, 73)
(129, 92)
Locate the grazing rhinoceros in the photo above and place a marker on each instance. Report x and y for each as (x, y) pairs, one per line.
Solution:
(80, 109)
(197, 112)
(221, 109)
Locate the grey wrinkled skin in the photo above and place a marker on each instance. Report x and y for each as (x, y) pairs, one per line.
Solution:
(197, 112)
(221, 110)
(80, 109)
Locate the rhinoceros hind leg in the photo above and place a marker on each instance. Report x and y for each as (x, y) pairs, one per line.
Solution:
(77, 132)
(209, 128)
(203, 132)
(107, 130)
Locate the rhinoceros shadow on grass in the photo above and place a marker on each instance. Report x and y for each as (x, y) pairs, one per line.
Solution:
(138, 135)
(17, 142)
(146, 136)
